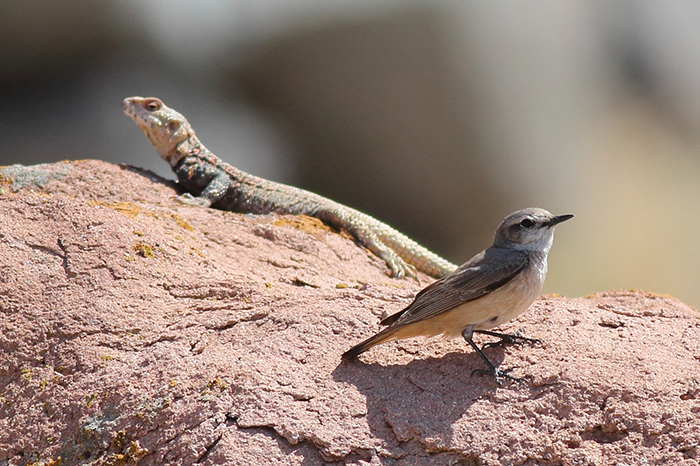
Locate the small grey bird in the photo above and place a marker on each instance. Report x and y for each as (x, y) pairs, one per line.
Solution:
(491, 288)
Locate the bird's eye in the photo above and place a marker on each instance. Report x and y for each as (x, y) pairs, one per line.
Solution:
(153, 105)
(527, 223)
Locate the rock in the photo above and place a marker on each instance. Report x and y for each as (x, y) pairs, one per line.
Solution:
(134, 329)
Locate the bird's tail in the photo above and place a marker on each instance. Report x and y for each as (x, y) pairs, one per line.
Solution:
(382, 337)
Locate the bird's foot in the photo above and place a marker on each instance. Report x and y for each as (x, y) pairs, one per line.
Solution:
(507, 339)
(499, 374)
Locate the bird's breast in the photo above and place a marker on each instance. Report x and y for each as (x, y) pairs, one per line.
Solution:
(493, 309)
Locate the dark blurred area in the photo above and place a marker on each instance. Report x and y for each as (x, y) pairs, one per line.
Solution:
(437, 117)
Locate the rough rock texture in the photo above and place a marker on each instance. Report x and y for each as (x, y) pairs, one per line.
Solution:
(134, 329)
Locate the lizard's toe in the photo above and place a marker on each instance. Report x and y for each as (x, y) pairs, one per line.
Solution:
(399, 269)
(189, 199)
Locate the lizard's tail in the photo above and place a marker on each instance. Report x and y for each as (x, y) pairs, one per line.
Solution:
(410, 251)
(382, 337)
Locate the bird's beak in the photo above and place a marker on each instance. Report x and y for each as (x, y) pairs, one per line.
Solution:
(558, 219)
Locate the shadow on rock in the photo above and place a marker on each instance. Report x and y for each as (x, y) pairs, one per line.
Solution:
(420, 401)
(152, 176)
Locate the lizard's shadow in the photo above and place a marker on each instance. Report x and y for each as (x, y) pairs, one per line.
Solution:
(153, 177)
(422, 399)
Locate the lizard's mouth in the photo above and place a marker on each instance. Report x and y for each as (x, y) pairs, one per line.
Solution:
(133, 111)
(128, 107)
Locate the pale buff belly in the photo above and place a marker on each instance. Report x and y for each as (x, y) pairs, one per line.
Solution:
(484, 313)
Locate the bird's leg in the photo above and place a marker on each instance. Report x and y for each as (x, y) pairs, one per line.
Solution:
(467, 333)
(507, 339)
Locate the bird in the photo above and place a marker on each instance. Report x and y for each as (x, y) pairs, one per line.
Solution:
(488, 290)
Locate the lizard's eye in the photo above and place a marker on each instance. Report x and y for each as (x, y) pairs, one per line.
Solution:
(153, 105)
(527, 223)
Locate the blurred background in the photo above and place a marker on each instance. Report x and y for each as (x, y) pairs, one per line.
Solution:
(437, 117)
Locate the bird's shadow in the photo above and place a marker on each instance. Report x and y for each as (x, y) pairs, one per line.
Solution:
(422, 400)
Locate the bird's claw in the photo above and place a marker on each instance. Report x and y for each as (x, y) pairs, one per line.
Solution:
(506, 339)
(499, 374)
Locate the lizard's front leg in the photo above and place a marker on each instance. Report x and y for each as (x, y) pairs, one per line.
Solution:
(215, 191)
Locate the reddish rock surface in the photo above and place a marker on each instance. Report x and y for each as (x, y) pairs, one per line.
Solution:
(137, 330)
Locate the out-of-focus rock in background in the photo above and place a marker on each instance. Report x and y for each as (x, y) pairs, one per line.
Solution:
(437, 117)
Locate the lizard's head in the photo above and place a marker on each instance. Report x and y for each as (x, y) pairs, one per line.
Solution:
(163, 126)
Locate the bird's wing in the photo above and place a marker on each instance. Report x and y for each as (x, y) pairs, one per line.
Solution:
(484, 273)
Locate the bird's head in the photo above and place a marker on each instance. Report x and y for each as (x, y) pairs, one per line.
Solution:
(530, 229)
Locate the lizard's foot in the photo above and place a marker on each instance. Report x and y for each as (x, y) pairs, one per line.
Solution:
(507, 339)
(400, 268)
(499, 374)
(370, 240)
(189, 199)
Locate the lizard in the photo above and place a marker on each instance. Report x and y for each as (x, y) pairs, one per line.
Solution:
(211, 182)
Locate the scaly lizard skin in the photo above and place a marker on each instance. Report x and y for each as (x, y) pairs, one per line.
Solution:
(217, 184)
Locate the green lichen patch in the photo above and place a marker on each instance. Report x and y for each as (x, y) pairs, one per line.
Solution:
(18, 176)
